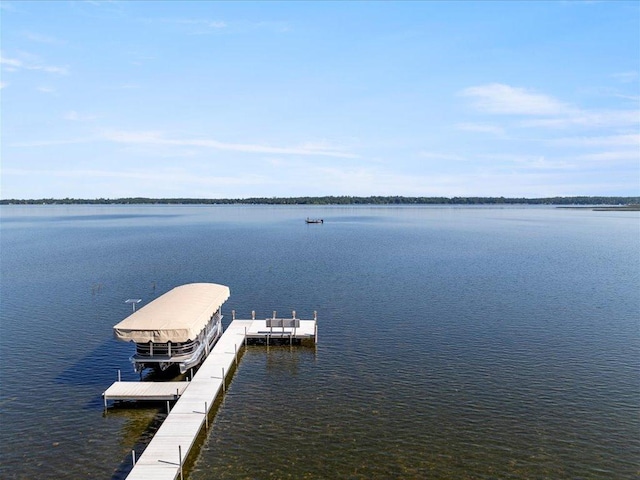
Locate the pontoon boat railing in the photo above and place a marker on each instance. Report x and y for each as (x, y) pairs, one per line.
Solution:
(175, 349)
(169, 349)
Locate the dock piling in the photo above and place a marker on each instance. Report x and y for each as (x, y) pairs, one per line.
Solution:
(180, 460)
(133, 457)
(119, 377)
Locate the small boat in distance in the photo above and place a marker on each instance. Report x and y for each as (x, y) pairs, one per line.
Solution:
(314, 220)
(178, 328)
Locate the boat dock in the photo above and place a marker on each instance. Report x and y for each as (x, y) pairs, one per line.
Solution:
(165, 455)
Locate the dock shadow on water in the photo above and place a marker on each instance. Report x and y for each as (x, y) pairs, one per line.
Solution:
(142, 421)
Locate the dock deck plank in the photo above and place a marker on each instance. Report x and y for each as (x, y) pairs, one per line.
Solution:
(145, 390)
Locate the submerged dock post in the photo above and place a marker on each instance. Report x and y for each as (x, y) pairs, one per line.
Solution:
(119, 377)
(206, 416)
(133, 457)
(224, 387)
(235, 353)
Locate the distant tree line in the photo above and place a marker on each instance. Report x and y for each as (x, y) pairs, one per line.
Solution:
(334, 200)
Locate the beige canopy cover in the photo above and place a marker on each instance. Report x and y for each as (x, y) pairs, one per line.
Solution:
(177, 316)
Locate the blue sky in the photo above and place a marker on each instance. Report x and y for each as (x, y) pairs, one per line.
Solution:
(240, 99)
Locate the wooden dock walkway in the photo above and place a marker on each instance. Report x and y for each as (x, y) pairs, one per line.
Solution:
(166, 453)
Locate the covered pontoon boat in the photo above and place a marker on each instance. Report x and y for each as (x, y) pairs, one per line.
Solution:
(178, 328)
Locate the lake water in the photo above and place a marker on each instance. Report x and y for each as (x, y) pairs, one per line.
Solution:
(453, 342)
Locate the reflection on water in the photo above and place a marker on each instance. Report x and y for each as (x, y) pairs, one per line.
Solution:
(453, 342)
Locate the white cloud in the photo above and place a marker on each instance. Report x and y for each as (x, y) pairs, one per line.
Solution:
(547, 112)
(51, 143)
(503, 99)
(10, 64)
(167, 182)
(633, 98)
(77, 117)
(529, 181)
(39, 38)
(156, 138)
(191, 26)
(30, 63)
(497, 163)
(481, 128)
(166, 175)
(203, 27)
(214, 24)
(522, 162)
(604, 119)
(600, 141)
(126, 86)
(206, 26)
(278, 27)
(441, 156)
(625, 77)
(50, 69)
(612, 156)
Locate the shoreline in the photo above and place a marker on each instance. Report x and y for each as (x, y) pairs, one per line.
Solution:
(571, 201)
(607, 208)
